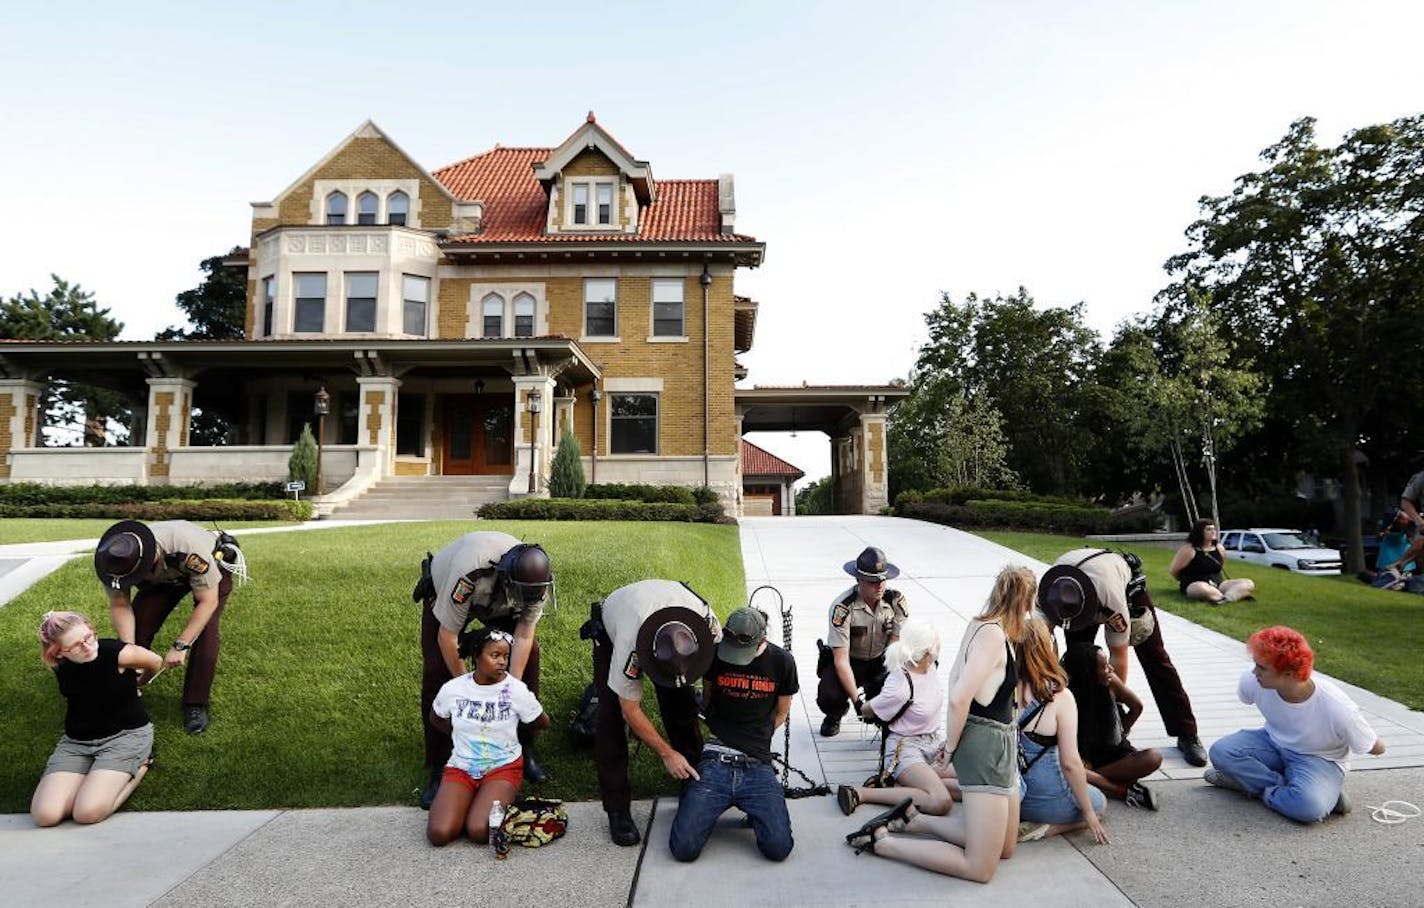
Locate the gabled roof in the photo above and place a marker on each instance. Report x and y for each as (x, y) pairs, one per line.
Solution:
(367, 130)
(761, 462)
(591, 135)
(516, 208)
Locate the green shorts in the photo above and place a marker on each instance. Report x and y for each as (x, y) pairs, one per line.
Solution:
(122, 752)
(985, 759)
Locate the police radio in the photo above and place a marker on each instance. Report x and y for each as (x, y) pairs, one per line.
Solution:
(226, 549)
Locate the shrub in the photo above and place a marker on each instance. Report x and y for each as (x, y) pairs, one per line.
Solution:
(966, 494)
(301, 466)
(1039, 516)
(566, 478)
(209, 509)
(641, 492)
(705, 495)
(30, 493)
(597, 509)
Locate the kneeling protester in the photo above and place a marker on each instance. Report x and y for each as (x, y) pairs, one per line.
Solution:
(748, 692)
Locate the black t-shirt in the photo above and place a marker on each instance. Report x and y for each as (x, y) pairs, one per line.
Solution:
(102, 701)
(741, 699)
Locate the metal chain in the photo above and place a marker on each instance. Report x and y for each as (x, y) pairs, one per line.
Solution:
(810, 789)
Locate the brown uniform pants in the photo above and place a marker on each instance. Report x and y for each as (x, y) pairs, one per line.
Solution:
(152, 604)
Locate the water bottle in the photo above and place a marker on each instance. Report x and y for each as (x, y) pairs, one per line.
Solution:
(498, 838)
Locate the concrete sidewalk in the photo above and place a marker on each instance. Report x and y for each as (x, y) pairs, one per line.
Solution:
(1205, 847)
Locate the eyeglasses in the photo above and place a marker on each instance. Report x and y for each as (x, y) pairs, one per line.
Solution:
(79, 647)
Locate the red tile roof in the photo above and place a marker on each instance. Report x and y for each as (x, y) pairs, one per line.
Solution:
(759, 462)
(516, 206)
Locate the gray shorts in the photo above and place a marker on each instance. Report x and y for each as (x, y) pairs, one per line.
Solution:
(123, 752)
(986, 758)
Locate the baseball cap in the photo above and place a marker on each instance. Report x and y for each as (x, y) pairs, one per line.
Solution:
(741, 636)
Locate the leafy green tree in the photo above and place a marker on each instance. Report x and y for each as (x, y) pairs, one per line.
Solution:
(301, 466)
(1314, 264)
(68, 312)
(566, 479)
(216, 308)
(815, 497)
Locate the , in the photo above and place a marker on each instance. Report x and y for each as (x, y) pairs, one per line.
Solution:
(1280, 548)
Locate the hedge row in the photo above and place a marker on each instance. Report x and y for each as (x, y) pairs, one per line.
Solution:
(640, 492)
(32, 493)
(966, 494)
(204, 509)
(1029, 516)
(599, 509)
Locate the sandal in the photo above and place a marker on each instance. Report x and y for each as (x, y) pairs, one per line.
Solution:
(863, 840)
(900, 813)
(848, 799)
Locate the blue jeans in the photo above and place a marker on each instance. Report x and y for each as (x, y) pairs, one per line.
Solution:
(1303, 787)
(751, 786)
(1045, 796)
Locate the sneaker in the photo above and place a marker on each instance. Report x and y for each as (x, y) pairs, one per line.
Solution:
(534, 773)
(1192, 750)
(1139, 795)
(195, 719)
(1342, 805)
(830, 726)
(847, 799)
(1222, 780)
(622, 829)
(1032, 832)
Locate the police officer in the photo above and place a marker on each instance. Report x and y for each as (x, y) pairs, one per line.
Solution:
(864, 620)
(167, 560)
(499, 580)
(664, 631)
(1087, 588)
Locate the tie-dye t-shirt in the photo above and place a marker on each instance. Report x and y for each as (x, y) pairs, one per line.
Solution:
(485, 718)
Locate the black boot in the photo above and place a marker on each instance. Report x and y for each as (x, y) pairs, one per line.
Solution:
(432, 785)
(622, 829)
(534, 773)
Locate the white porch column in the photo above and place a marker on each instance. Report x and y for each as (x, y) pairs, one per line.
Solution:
(19, 418)
(376, 417)
(543, 435)
(170, 407)
(875, 470)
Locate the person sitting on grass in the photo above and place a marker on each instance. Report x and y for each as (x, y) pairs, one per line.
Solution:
(970, 841)
(1054, 791)
(107, 746)
(1107, 709)
(1296, 764)
(1198, 564)
(481, 711)
(911, 701)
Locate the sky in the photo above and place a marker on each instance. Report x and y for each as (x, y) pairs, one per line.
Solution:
(884, 152)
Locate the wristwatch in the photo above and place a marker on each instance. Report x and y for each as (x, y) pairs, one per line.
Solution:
(181, 647)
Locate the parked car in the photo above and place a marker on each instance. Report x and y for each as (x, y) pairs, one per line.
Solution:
(1287, 549)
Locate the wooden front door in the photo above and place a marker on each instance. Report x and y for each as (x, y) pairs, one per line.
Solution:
(479, 434)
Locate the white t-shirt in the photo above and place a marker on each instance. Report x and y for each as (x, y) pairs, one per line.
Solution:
(485, 720)
(1328, 724)
(924, 714)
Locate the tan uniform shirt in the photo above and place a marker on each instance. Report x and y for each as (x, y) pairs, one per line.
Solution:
(867, 631)
(624, 612)
(185, 556)
(1110, 575)
(464, 577)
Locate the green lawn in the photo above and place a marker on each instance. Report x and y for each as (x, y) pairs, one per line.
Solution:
(1366, 636)
(46, 529)
(317, 693)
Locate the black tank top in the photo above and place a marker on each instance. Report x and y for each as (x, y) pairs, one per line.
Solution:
(1001, 708)
(1205, 565)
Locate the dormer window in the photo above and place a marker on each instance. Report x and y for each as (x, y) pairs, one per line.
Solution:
(591, 203)
(366, 204)
(397, 208)
(336, 208)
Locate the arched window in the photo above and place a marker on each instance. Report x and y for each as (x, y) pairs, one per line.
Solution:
(524, 315)
(493, 308)
(397, 207)
(366, 208)
(336, 208)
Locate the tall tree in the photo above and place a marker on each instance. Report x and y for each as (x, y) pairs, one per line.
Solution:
(216, 308)
(1313, 262)
(68, 312)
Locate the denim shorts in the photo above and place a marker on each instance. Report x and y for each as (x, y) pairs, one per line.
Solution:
(122, 752)
(1045, 794)
(987, 757)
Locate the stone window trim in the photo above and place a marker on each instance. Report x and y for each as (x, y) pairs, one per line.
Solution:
(510, 297)
(362, 299)
(590, 190)
(622, 430)
(664, 287)
(368, 206)
(336, 205)
(380, 190)
(415, 304)
(593, 285)
(307, 281)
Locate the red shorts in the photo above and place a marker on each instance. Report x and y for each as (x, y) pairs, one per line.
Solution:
(513, 773)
